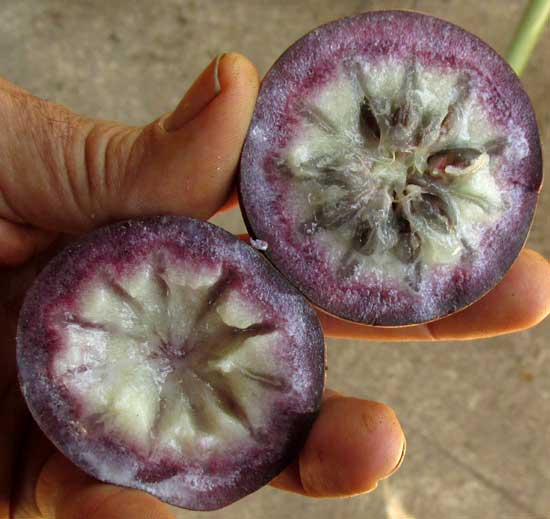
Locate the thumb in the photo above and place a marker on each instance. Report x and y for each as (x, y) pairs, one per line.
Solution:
(64, 492)
(187, 160)
(63, 172)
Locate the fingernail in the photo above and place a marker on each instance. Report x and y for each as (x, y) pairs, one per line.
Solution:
(217, 84)
(201, 93)
(400, 462)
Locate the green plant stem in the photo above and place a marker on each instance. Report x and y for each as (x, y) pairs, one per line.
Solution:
(528, 32)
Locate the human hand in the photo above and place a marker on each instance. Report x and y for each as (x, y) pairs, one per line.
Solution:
(61, 173)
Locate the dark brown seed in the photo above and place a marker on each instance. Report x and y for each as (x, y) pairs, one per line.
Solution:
(462, 94)
(457, 157)
(408, 247)
(448, 122)
(402, 223)
(368, 122)
(397, 116)
(362, 234)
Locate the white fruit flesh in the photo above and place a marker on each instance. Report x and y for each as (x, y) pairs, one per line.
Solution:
(335, 163)
(154, 358)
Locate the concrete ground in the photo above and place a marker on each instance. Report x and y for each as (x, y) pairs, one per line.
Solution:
(476, 414)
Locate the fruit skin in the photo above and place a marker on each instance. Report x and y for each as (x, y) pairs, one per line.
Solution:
(106, 459)
(311, 62)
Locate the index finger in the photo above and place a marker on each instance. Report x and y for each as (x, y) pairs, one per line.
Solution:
(521, 300)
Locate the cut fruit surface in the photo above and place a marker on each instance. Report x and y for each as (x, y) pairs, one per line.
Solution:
(392, 167)
(166, 355)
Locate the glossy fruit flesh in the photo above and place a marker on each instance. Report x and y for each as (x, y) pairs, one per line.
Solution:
(166, 355)
(392, 167)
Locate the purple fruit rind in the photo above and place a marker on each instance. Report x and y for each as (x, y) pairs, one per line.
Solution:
(187, 483)
(311, 62)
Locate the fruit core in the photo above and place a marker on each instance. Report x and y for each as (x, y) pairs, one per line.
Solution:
(393, 168)
(168, 357)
